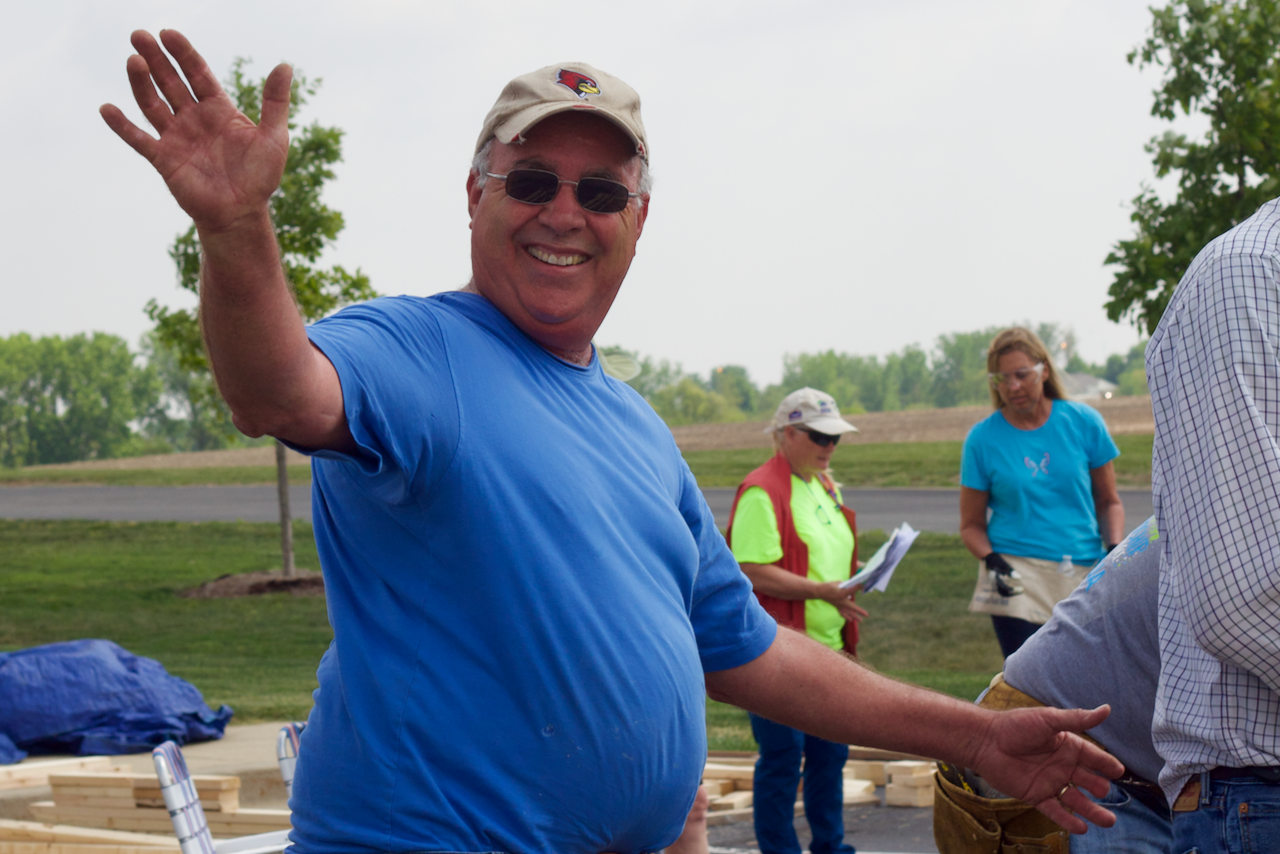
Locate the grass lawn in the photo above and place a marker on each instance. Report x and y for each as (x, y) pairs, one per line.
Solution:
(902, 464)
(212, 476)
(62, 580)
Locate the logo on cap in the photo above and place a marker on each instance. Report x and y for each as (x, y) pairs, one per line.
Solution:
(795, 414)
(579, 84)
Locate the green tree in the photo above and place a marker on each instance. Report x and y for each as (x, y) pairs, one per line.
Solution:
(1222, 60)
(960, 368)
(688, 402)
(733, 384)
(304, 226)
(68, 399)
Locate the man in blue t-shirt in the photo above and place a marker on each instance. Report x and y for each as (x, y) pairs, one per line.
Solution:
(527, 590)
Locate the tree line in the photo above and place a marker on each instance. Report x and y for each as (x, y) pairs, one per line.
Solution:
(952, 373)
(90, 396)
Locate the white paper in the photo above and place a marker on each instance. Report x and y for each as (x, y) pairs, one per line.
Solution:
(876, 574)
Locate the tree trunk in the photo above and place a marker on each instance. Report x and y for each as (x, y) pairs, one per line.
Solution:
(286, 516)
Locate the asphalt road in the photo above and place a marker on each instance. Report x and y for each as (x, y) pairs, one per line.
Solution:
(925, 509)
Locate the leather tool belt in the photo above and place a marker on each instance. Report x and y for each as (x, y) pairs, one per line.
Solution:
(964, 822)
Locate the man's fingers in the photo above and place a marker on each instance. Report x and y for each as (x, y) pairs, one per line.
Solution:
(135, 137)
(148, 99)
(275, 99)
(162, 70)
(1059, 814)
(203, 82)
(1079, 803)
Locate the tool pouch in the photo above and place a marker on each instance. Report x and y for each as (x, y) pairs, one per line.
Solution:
(965, 823)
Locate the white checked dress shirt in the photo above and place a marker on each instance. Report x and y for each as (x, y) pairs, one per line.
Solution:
(1213, 366)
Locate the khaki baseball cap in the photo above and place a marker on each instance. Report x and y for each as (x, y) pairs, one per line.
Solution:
(808, 407)
(532, 97)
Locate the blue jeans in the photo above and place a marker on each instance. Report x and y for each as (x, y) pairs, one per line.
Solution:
(1235, 816)
(774, 789)
(1012, 632)
(1138, 829)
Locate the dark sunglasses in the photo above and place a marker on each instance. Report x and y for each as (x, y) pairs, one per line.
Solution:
(539, 187)
(822, 440)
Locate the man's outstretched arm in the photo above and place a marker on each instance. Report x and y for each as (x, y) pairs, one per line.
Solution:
(1028, 753)
(222, 169)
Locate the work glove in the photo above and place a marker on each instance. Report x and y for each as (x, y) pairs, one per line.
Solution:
(1002, 574)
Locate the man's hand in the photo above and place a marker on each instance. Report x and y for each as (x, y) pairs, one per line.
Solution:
(219, 166)
(1002, 574)
(842, 599)
(1031, 754)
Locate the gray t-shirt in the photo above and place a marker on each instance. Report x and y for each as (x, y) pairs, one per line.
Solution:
(1101, 646)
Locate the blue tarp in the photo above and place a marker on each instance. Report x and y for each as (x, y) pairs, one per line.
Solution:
(94, 698)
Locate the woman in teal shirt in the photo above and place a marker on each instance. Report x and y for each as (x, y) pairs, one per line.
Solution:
(1043, 467)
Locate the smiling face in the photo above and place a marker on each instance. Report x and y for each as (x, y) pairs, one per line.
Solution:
(555, 269)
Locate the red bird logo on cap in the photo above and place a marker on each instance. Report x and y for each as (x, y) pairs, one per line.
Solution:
(579, 84)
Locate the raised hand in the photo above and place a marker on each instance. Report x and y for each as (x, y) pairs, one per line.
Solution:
(219, 166)
(1030, 754)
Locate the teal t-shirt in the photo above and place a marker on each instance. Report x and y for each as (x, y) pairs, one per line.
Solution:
(822, 527)
(1038, 482)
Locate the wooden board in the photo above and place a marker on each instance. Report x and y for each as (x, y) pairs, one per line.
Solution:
(34, 831)
(866, 769)
(27, 774)
(908, 796)
(898, 770)
(9, 847)
(716, 788)
(718, 771)
(151, 820)
(103, 780)
(732, 801)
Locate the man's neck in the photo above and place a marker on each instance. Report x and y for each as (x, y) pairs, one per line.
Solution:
(580, 357)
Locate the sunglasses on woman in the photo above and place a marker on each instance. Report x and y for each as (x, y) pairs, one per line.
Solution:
(822, 440)
(539, 187)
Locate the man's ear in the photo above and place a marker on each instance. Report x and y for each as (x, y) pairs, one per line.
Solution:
(642, 214)
(474, 190)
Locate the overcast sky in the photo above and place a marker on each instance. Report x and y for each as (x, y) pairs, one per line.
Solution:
(847, 175)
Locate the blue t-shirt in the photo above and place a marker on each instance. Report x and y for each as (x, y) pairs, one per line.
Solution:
(1038, 482)
(525, 587)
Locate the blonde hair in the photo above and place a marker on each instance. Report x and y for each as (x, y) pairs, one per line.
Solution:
(1023, 341)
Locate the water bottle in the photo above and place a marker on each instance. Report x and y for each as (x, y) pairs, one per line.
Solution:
(1066, 567)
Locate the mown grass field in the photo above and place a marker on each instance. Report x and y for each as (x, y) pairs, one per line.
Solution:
(903, 464)
(62, 580)
(210, 476)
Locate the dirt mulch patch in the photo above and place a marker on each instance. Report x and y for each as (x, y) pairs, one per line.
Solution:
(306, 582)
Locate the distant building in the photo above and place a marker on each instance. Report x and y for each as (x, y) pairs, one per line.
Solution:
(1087, 387)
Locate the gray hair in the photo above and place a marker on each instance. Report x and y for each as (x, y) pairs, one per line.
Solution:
(480, 165)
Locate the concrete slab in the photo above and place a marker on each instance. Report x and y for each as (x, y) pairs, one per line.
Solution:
(247, 752)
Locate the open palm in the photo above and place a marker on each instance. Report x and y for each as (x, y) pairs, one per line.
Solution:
(220, 167)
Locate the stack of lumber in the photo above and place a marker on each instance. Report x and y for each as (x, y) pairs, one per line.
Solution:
(133, 802)
(29, 837)
(28, 774)
(910, 784)
(729, 782)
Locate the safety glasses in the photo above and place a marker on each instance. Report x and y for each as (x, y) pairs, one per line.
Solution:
(539, 187)
(822, 440)
(1022, 376)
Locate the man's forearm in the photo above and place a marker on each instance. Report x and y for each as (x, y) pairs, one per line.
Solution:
(802, 684)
